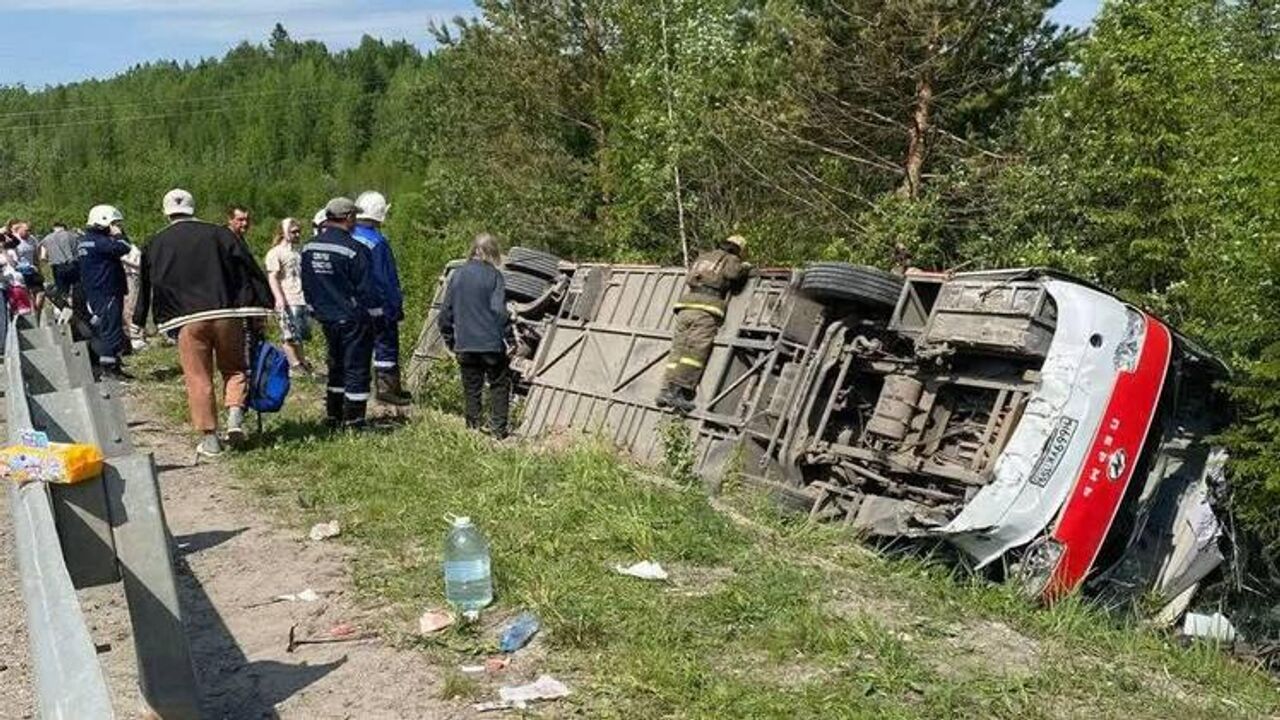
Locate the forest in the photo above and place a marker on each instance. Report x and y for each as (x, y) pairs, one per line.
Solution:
(956, 133)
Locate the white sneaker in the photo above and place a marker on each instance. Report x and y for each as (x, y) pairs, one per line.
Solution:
(209, 447)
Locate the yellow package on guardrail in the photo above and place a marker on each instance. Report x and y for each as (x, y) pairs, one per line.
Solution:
(36, 459)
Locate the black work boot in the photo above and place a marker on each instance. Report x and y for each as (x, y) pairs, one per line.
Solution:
(682, 400)
(353, 414)
(115, 372)
(389, 390)
(666, 396)
(333, 410)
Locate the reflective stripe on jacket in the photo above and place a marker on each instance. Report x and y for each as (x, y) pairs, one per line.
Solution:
(336, 278)
(713, 275)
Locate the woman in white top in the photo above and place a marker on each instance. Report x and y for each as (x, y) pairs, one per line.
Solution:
(284, 264)
(20, 259)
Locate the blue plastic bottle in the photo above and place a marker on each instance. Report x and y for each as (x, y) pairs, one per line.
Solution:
(468, 585)
(518, 633)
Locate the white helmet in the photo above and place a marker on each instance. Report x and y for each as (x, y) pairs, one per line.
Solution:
(318, 219)
(104, 216)
(372, 206)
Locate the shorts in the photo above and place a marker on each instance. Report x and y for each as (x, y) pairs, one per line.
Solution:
(295, 324)
(32, 278)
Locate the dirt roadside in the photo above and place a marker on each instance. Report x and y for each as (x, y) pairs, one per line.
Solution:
(231, 561)
(230, 557)
(17, 698)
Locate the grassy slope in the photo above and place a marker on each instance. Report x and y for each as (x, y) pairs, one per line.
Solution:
(766, 618)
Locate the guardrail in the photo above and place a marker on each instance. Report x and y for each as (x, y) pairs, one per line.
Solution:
(107, 530)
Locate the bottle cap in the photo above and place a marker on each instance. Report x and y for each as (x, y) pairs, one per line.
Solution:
(458, 520)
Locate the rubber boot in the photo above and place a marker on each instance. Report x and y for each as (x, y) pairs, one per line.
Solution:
(389, 390)
(333, 410)
(353, 414)
(116, 372)
(666, 397)
(682, 400)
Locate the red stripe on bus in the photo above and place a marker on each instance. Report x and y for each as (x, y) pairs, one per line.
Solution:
(1091, 508)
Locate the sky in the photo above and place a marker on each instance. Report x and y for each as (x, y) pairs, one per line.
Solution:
(59, 41)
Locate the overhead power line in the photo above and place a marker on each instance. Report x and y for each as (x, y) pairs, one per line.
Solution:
(367, 90)
(135, 103)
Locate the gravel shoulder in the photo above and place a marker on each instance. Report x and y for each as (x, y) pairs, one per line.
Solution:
(231, 562)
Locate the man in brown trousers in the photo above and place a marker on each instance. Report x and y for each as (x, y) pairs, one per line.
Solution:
(201, 281)
(699, 313)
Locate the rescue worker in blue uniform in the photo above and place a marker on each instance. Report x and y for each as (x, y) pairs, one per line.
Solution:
(371, 214)
(338, 284)
(102, 279)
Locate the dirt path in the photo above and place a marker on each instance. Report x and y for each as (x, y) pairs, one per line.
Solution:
(16, 694)
(229, 558)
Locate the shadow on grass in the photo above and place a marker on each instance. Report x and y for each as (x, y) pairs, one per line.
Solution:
(163, 373)
(293, 430)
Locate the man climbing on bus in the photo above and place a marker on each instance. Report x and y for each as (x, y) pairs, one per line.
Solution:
(714, 276)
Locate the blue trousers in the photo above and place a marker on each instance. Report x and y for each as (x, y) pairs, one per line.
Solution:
(386, 345)
(350, 346)
(107, 321)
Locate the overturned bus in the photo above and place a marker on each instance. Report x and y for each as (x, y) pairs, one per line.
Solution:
(1040, 425)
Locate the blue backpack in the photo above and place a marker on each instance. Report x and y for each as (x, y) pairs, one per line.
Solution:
(268, 378)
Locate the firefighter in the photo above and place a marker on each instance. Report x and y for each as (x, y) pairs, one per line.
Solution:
(102, 278)
(338, 284)
(699, 313)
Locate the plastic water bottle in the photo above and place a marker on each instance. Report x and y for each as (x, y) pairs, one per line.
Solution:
(468, 585)
(518, 633)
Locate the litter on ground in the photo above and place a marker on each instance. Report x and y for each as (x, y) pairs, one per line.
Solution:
(519, 632)
(1209, 627)
(325, 530)
(519, 696)
(491, 665)
(342, 630)
(646, 570)
(348, 634)
(433, 621)
(307, 595)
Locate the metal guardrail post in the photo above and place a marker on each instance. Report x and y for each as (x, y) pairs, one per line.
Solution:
(68, 677)
(165, 672)
(64, 410)
(109, 530)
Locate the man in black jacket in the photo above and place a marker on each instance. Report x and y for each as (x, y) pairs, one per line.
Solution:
(200, 280)
(337, 280)
(476, 326)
